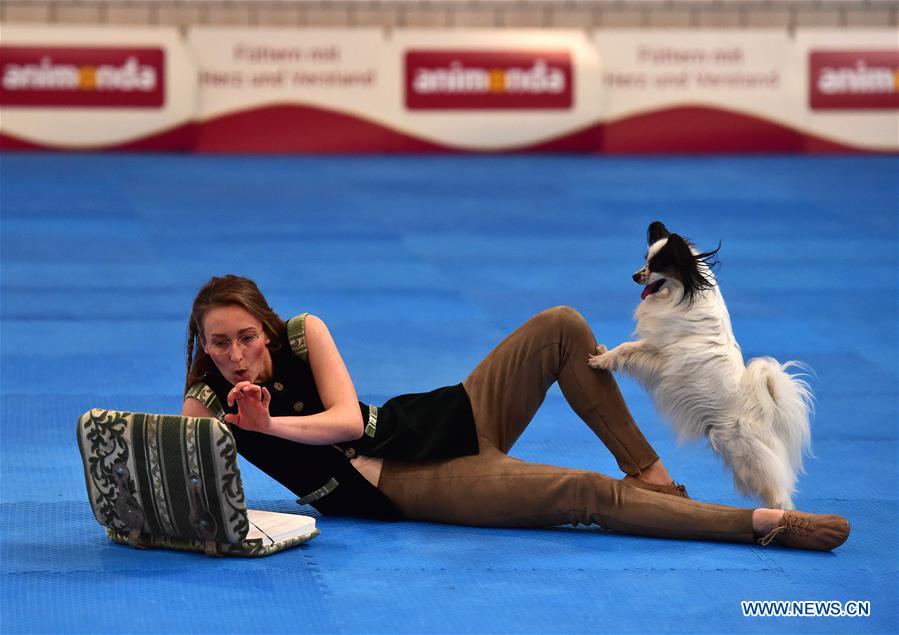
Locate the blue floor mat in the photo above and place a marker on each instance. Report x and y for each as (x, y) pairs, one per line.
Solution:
(420, 265)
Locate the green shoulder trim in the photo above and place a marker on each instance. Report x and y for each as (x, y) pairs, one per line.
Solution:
(206, 396)
(372, 425)
(321, 492)
(296, 335)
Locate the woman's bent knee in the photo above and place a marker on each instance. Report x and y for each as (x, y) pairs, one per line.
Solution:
(563, 319)
(563, 316)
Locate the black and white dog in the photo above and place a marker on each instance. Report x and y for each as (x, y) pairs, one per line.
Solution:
(756, 416)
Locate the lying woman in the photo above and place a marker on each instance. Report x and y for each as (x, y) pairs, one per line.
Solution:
(442, 456)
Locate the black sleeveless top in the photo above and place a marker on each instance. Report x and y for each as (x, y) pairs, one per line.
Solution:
(414, 427)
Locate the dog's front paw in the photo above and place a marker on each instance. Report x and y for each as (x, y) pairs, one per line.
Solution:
(601, 348)
(601, 361)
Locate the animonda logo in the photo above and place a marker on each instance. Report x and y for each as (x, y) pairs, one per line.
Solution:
(478, 80)
(851, 80)
(40, 76)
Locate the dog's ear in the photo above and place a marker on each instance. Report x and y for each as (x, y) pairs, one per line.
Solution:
(657, 231)
(695, 270)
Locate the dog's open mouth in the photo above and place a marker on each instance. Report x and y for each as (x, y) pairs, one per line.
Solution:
(650, 289)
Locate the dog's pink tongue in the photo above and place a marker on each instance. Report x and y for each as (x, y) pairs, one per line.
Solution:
(646, 291)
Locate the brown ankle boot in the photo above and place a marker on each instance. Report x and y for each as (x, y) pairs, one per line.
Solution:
(674, 489)
(801, 530)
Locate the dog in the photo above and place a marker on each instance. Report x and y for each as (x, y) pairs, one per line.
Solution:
(756, 416)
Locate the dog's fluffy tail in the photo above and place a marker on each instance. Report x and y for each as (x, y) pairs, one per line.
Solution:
(783, 399)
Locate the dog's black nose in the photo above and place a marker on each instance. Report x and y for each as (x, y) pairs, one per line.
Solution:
(636, 277)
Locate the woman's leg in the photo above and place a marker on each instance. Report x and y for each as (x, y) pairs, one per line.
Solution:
(509, 385)
(491, 489)
(494, 490)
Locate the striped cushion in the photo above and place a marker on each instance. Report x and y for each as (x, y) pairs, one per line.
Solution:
(167, 481)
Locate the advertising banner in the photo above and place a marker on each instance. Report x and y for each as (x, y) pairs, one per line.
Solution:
(853, 80)
(505, 90)
(850, 85)
(289, 90)
(357, 90)
(749, 91)
(95, 88)
(449, 90)
(488, 80)
(699, 91)
(59, 77)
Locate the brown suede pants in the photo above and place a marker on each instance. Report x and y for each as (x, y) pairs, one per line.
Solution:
(491, 489)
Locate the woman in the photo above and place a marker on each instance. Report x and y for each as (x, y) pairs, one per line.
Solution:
(442, 456)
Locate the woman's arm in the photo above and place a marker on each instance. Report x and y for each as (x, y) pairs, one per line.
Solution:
(341, 419)
(193, 408)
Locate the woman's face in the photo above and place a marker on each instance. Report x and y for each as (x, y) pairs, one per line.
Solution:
(234, 339)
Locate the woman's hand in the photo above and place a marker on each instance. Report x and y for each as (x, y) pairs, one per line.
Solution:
(252, 407)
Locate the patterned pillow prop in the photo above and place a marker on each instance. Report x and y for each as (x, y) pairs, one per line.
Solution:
(173, 482)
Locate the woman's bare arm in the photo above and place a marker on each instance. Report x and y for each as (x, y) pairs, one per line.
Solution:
(193, 408)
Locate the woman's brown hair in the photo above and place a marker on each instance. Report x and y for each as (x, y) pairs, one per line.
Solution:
(227, 290)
